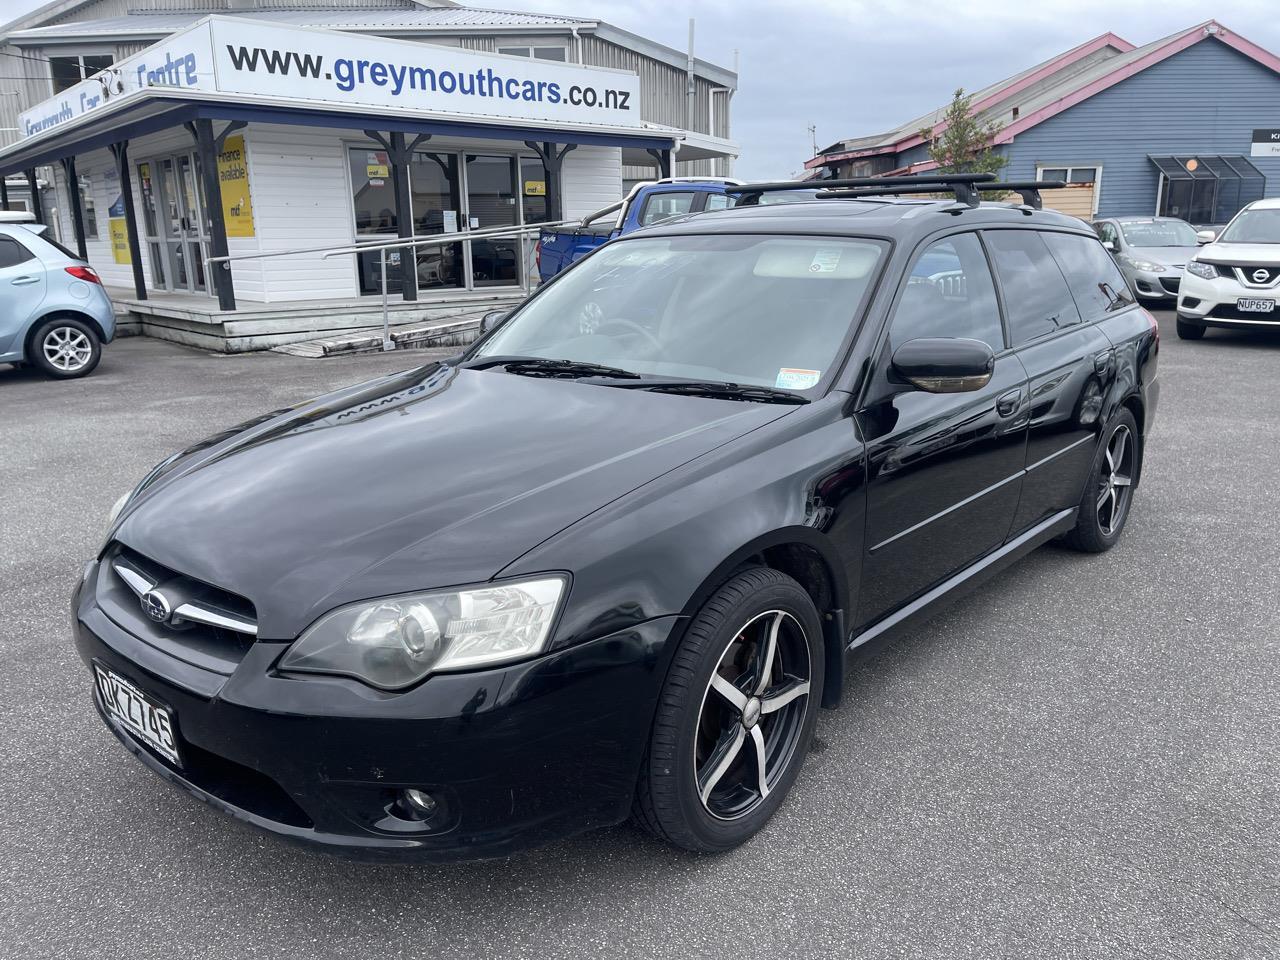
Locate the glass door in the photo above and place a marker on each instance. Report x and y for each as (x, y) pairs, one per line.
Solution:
(157, 254)
(194, 238)
(492, 201)
(437, 208)
(171, 232)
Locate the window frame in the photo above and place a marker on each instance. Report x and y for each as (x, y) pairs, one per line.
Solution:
(1111, 310)
(920, 250)
(503, 48)
(1069, 167)
(79, 58)
(1051, 334)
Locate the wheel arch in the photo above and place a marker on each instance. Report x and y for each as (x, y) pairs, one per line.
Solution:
(812, 560)
(60, 314)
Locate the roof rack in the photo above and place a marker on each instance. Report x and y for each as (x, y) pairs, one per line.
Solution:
(963, 185)
(1029, 190)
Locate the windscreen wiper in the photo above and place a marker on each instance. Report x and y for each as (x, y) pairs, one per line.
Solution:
(716, 389)
(550, 367)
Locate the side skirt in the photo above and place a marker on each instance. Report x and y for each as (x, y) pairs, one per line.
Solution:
(876, 637)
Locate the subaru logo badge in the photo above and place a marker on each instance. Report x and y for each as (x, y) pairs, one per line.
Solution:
(1261, 275)
(156, 606)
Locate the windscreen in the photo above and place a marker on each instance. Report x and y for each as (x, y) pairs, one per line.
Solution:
(760, 310)
(1253, 226)
(1159, 233)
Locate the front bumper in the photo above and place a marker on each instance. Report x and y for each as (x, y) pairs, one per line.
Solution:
(1152, 285)
(520, 756)
(1212, 303)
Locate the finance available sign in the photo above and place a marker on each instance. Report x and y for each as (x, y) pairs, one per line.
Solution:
(324, 67)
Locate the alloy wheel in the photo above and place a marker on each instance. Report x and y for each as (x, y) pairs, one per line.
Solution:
(1115, 480)
(752, 714)
(67, 349)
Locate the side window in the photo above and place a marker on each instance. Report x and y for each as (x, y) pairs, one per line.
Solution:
(1107, 233)
(717, 201)
(664, 206)
(1036, 295)
(13, 253)
(1094, 279)
(949, 293)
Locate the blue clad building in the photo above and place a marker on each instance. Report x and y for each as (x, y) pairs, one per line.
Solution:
(1186, 126)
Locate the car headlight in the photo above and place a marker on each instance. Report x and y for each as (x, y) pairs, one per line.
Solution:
(1204, 271)
(1145, 265)
(395, 642)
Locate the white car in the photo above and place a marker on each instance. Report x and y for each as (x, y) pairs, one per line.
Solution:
(1234, 281)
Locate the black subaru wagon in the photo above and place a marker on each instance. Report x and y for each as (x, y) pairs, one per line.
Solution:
(613, 558)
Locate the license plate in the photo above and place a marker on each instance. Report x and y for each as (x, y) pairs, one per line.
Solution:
(1254, 305)
(149, 721)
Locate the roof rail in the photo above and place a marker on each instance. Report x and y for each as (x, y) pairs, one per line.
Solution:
(963, 185)
(1029, 190)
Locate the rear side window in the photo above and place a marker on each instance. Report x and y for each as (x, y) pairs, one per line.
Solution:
(1036, 297)
(716, 201)
(949, 293)
(664, 206)
(13, 253)
(59, 247)
(1094, 279)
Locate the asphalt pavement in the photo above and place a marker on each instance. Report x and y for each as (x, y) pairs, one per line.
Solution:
(1081, 760)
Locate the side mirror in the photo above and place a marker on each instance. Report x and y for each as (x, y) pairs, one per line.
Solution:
(1109, 245)
(492, 320)
(944, 364)
(1206, 236)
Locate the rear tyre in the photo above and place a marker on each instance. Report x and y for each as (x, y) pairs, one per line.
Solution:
(735, 716)
(1108, 495)
(65, 348)
(1189, 331)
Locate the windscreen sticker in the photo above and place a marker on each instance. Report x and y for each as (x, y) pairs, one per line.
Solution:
(793, 378)
(825, 260)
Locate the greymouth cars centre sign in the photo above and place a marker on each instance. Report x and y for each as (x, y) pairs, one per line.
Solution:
(225, 55)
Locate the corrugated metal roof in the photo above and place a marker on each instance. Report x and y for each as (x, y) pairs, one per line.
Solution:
(355, 18)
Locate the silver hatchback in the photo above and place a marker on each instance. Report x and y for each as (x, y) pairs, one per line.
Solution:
(54, 313)
(1151, 251)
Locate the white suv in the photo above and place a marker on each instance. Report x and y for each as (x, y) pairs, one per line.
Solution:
(1234, 281)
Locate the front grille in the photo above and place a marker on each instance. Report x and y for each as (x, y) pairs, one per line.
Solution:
(1257, 276)
(194, 621)
(1171, 284)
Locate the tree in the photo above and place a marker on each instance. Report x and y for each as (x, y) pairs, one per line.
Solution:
(964, 145)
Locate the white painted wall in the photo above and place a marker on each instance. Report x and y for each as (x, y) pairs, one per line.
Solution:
(592, 180)
(301, 194)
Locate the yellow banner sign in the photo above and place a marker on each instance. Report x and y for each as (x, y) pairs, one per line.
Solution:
(233, 177)
(535, 188)
(119, 240)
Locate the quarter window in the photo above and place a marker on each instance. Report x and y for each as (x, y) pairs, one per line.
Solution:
(1036, 295)
(1094, 279)
(12, 252)
(949, 293)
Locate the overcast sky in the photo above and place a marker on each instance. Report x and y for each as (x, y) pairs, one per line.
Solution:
(852, 67)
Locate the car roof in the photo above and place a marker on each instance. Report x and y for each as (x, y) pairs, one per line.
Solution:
(893, 218)
(1270, 203)
(17, 216)
(1137, 219)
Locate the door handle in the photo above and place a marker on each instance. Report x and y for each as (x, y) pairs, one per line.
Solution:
(1007, 404)
(1102, 362)
(23, 281)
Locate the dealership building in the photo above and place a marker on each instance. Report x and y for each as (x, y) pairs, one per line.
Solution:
(1186, 126)
(156, 135)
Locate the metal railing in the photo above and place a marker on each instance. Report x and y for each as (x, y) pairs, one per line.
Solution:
(414, 242)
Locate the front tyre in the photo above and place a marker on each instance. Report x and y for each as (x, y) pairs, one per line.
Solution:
(1108, 494)
(65, 348)
(735, 715)
(1188, 330)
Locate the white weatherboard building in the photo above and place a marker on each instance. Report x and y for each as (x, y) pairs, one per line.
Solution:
(317, 124)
